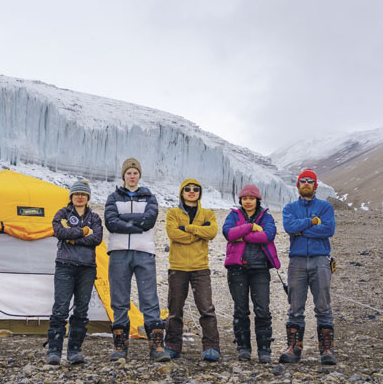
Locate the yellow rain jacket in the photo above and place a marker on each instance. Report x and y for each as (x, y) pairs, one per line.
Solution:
(189, 249)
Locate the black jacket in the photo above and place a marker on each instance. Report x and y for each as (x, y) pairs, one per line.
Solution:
(82, 252)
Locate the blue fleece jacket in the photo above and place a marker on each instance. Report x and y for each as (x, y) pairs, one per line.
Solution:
(307, 239)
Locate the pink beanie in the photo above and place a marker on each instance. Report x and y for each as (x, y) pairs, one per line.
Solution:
(250, 190)
(310, 174)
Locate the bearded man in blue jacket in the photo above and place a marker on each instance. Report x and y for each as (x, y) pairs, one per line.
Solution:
(310, 222)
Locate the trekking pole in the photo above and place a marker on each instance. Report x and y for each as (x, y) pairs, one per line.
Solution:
(285, 286)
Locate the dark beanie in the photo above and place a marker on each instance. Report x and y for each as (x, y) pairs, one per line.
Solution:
(250, 190)
(81, 186)
(130, 163)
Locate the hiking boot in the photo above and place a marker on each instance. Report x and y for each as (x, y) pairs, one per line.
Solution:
(293, 352)
(211, 354)
(54, 358)
(326, 344)
(242, 338)
(75, 358)
(244, 354)
(172, 353)
(55, 342)
(263, 342)
(75, 339)
(156, 346)
(121, 342)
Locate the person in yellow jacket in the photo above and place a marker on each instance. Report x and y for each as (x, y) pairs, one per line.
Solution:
(190, 227)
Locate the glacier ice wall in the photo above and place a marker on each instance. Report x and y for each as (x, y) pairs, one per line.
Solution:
(91, 136)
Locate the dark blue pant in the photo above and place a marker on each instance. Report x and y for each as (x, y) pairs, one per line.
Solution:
(243, 281)
(71, 280)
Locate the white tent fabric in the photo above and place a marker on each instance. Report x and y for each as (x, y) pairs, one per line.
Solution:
(26, 280)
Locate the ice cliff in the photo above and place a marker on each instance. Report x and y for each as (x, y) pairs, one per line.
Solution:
(91, 136)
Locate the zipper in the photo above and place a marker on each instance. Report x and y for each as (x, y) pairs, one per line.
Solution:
(131, 211)
(268, 255)
(307, 241)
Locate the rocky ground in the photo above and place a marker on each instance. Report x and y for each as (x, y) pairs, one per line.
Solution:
(357, 303)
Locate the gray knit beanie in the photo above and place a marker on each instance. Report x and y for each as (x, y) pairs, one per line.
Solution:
(80, 186)
(130, 163)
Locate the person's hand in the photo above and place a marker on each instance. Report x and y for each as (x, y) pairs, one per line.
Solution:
(257, 228)
(86, 231)
(316, 221)
(206, 224)
(64, 223)
(182, 228)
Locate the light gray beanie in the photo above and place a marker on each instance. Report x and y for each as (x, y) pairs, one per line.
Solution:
(80, 186)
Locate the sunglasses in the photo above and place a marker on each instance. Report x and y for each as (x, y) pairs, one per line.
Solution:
(304, 181)
(189, 189)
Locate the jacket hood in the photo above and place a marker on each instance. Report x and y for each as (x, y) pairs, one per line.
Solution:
(185, 183)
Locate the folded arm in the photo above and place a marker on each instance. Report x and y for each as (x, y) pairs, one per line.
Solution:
(95, 238)
(176, 234)
(327, 226)
(292, 224)
(113, 221)
(63, 233)
(207, 231)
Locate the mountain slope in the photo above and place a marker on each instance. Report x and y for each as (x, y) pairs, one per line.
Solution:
(351, 163)
(359, 181)
(91, 136)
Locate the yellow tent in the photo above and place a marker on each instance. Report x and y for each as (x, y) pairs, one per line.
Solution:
(28, 205)
(27, 267)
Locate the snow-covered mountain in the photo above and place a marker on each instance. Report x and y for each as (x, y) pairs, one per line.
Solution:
(90, 136)
(340, 148)
(351, 163)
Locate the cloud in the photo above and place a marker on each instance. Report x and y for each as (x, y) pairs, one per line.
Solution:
(257, 73)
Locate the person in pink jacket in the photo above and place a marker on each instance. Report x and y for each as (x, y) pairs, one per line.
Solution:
(250, 253)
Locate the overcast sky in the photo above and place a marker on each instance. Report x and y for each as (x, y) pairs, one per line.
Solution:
(257, 73)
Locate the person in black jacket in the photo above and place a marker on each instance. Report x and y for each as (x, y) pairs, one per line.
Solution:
(79, 231)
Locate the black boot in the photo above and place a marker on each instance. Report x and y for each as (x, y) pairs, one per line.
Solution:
(75, 339)
(121, 342)
(242, 338)
(156, 343)
(55, 342)
(264, 342)
(293, 352)
(326, 344)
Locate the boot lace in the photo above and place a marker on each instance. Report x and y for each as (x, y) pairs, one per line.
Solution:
(292, 337)
(157, 339)
(119, 341)
(326, 339)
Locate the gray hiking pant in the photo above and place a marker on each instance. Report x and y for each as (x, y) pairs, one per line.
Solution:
(313, 272)
(122, 265)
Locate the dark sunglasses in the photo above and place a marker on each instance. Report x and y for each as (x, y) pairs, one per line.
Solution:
(304, 181)
(195, 189)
